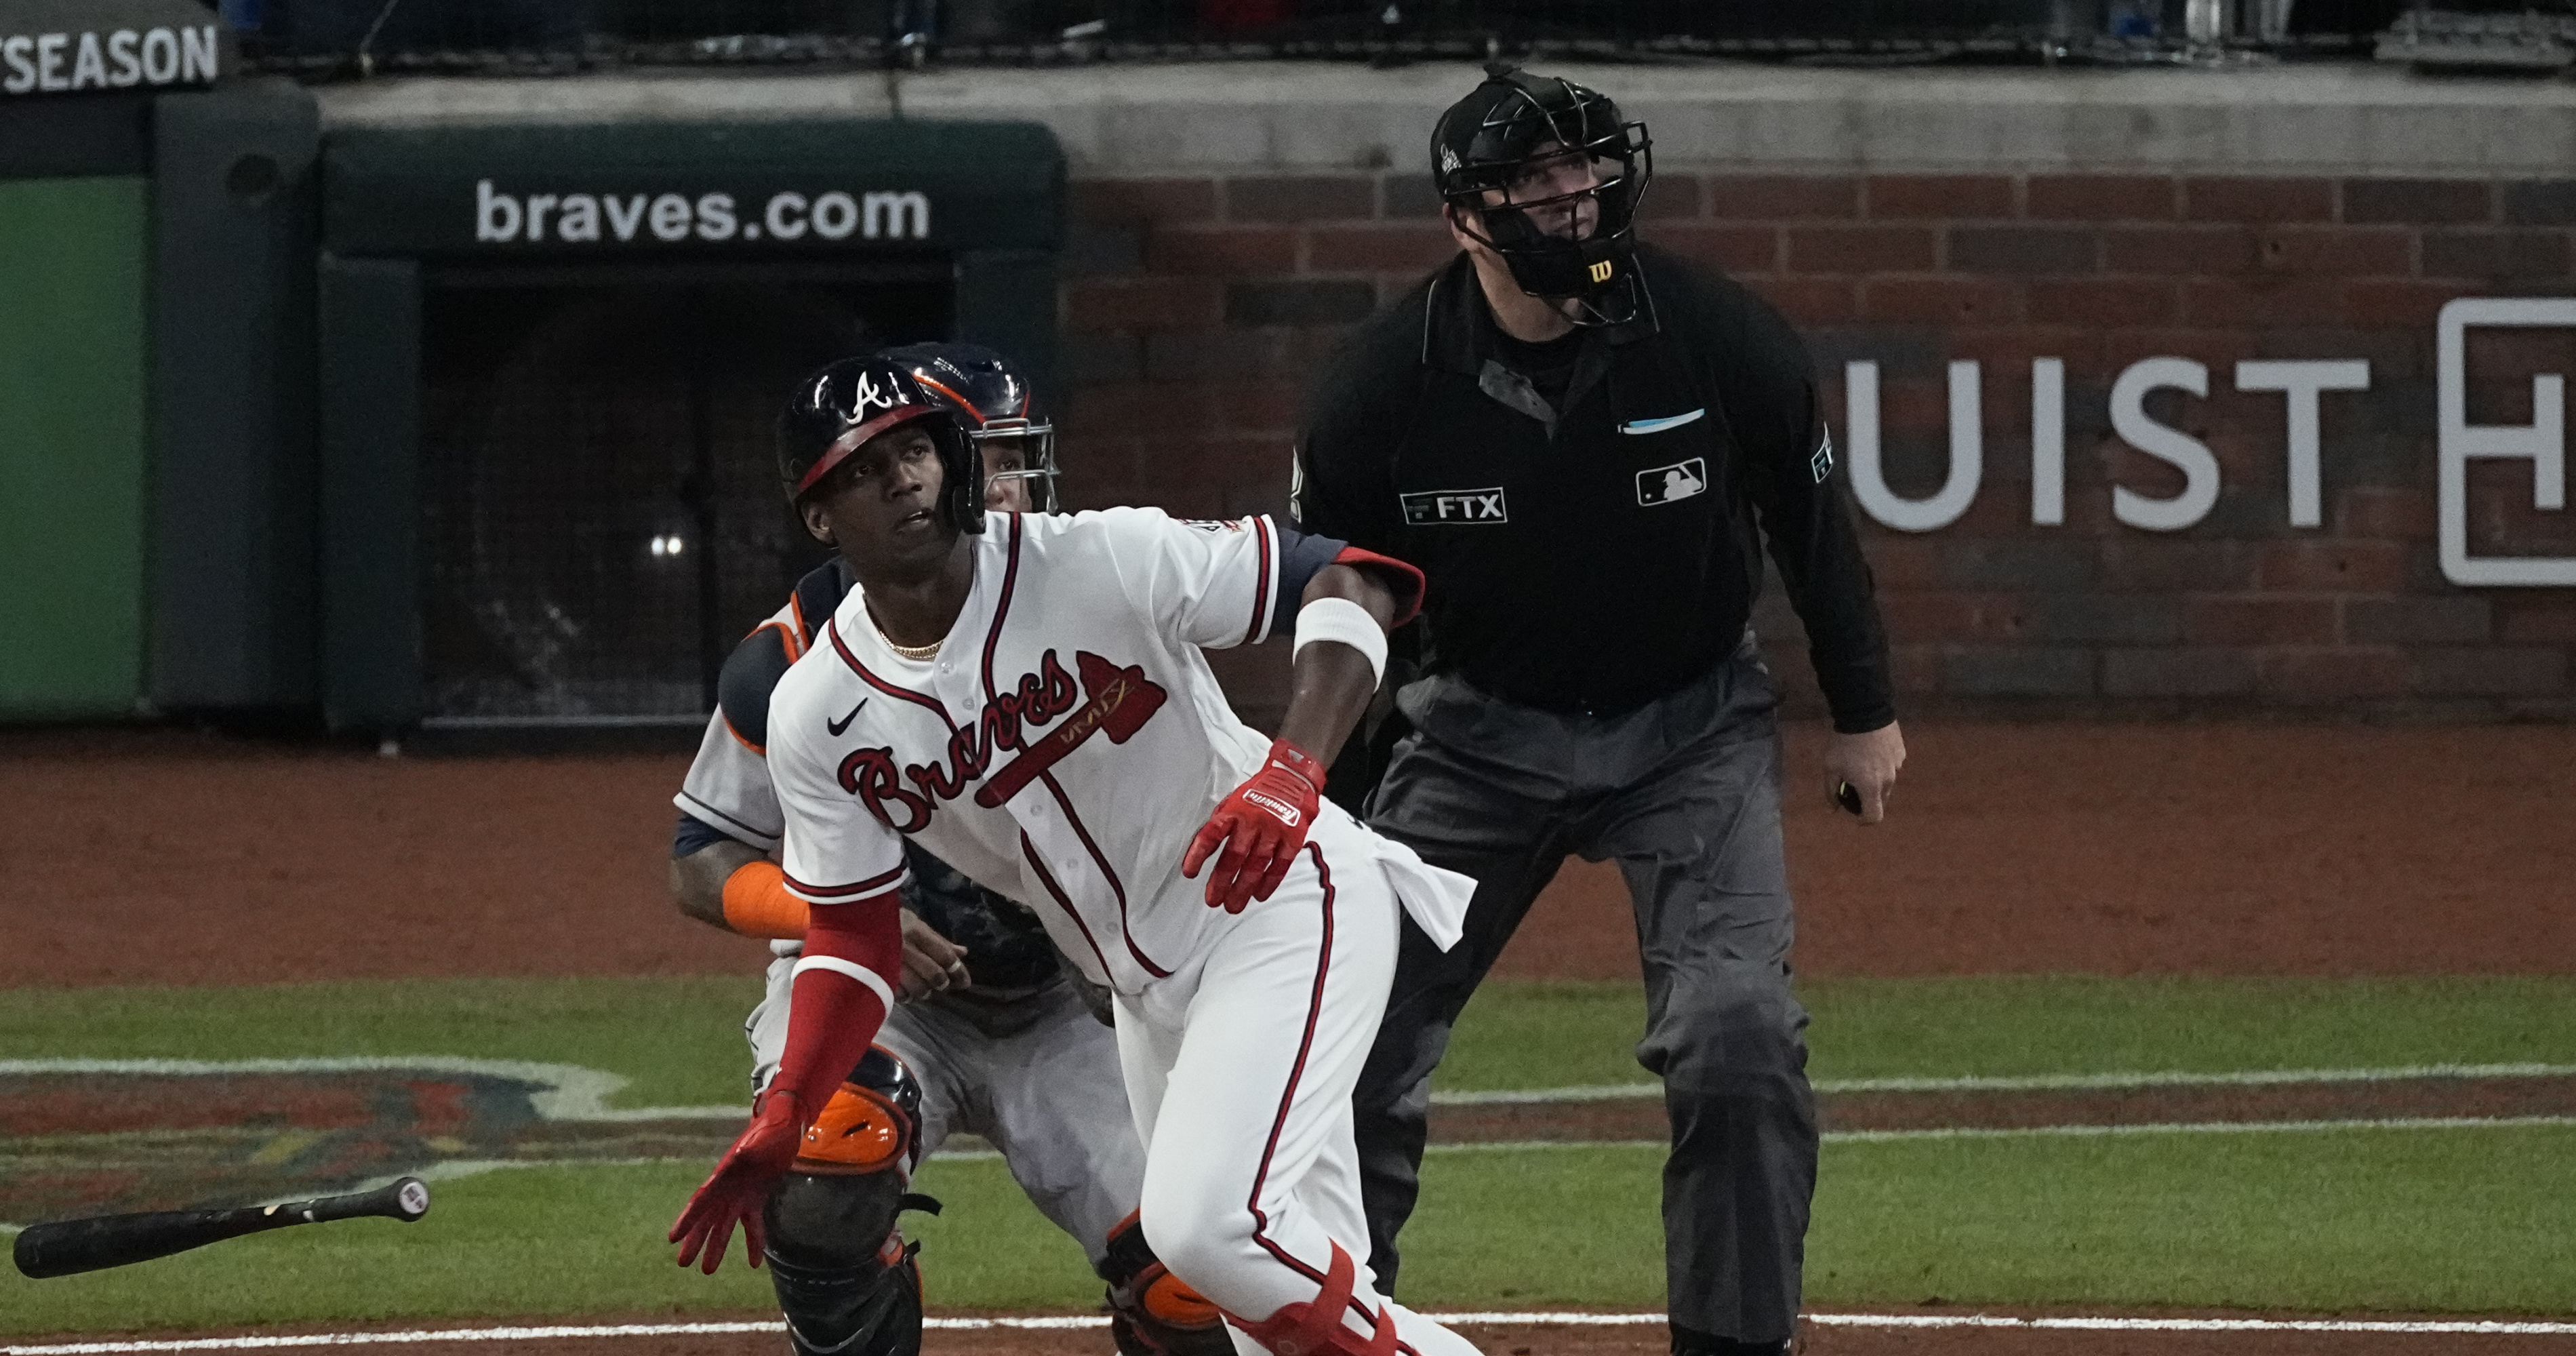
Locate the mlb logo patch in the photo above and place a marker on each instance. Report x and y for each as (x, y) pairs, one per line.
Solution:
(1668, 484)
(1431, 507)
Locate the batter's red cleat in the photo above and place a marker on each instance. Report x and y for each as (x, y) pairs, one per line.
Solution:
(1317, 1329)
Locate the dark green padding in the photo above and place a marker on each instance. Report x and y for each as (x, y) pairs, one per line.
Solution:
(404, 208)
(72, 411)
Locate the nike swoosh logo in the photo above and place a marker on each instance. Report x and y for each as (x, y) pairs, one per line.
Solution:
(836, 726)
(1659, 425)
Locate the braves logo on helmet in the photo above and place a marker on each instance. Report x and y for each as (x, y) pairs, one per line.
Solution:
(868, 396)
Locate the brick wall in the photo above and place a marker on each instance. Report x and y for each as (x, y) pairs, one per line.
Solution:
(1195, 308)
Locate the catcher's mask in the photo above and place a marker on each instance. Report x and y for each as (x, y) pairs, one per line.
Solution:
(1569, 173)
(838, 409)
(992, 400)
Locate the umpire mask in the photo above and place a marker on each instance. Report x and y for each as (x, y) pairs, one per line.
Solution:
(1553, 176)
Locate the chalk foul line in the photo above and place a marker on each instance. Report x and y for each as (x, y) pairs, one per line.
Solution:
(571, 1092)
(2458, 1327)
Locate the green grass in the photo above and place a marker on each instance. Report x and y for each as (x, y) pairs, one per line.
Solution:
(2033, 1025)
(545, 1241)
(1553, 1035)
(2446, 1221)
(541, 1242)
(2467, 1221)
(2399, 1220)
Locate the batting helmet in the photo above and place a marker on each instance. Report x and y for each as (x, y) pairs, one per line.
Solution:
(841, 407)
(1492, 141)
(992, 398)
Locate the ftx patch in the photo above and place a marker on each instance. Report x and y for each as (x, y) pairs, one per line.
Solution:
(1429, 507)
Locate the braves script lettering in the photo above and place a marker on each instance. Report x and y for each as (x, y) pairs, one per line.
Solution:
(1120, 700)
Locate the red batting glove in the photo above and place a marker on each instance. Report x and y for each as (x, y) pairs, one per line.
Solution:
(739, 1187)
(1261, 826)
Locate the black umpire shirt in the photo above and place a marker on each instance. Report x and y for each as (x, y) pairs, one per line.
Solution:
(1587, 509)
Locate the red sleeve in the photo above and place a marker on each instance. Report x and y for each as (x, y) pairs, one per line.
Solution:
(1395, 574)
(1303, 554)
(834, 1014)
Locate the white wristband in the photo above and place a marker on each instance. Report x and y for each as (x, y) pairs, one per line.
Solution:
(1342, 620)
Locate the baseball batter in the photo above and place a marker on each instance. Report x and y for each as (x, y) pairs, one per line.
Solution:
(1027, 700)
(994, 1037)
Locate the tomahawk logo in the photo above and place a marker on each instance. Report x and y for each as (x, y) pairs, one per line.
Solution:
(2543, 441)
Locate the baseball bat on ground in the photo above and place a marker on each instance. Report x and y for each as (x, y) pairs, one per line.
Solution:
(68, 1247)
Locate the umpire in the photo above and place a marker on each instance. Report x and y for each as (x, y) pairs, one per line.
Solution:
(1585, 442)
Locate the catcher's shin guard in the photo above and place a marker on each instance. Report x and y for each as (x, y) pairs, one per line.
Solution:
(869, 1309)
(845, 1278)
(1151, 1311)
(1318, 1329)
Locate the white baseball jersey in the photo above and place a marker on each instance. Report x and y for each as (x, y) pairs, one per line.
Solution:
(1065, 744)
(1017, 1059)
(727, 790)
(727, 786)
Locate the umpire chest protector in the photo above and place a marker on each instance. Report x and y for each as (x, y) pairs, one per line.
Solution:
(1588, 523)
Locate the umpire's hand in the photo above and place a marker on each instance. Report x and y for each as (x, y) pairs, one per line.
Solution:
(931, 962)
(1868, 764)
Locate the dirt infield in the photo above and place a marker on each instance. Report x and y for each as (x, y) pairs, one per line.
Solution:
(157, 857)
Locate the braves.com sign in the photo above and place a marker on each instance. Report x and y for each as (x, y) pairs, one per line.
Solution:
(2304, 385)
(502, 217)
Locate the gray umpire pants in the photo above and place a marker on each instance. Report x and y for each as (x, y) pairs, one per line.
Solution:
(1685, 794)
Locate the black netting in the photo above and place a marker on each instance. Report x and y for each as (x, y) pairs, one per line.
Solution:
(322, 37)
(602, 513)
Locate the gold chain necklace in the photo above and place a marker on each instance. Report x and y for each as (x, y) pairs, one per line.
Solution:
(915, 653)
